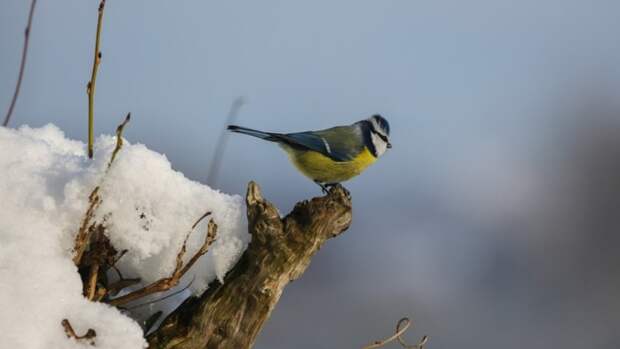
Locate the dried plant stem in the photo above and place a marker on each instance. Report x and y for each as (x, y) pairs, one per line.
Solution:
(179, 270)
(91, 287)
(119, 138)
(402, 326)
(83, 235)
(164, 297)
(90, 334)
(90, 89)
(22, 65)
(100, 254)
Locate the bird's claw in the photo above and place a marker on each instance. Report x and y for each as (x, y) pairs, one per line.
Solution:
(327, 188)
(323, 187)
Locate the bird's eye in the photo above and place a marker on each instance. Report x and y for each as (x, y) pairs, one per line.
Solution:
(383, 138)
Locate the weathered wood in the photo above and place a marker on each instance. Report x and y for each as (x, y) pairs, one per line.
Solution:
(230, 315)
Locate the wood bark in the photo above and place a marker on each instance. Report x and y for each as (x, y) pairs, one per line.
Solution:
(230, 315)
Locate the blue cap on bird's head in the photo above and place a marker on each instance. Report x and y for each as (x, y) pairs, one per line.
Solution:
(380, 131)
(377, 131)
(380, 124)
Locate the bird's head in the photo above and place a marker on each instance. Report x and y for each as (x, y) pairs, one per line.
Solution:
(379, 130)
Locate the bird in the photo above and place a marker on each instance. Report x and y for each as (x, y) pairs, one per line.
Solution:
(334, 155)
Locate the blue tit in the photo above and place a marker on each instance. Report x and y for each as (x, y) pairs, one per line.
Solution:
(333, 155)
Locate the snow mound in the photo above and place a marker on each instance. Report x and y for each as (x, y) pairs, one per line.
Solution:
(149, 209)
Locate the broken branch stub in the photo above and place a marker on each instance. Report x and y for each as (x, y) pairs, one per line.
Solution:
(230, 315)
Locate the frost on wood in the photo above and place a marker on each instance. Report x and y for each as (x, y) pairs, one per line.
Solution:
(147, 208)
(230, 315)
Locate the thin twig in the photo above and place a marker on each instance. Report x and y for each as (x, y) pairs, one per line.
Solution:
(89, 335)
(189, 284)
(179, 270)
(402, 326)
(205, 215)
(118, 258)
(122, 282)
(90, 88)
(22, 65)
(118, 272)
(119, 138)
(209, 239)
(222, 139)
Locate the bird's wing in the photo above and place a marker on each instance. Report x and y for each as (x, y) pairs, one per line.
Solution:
(340, 143)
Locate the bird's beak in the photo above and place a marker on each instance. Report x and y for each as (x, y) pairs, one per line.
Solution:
(389, 145)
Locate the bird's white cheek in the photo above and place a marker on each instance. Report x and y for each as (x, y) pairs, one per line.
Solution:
(380, 144)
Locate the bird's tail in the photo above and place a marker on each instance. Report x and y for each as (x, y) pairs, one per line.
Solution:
(248, 131)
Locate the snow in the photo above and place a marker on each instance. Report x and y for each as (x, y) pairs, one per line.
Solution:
(149, 208)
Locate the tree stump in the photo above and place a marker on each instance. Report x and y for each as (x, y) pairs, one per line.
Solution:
(230, 315)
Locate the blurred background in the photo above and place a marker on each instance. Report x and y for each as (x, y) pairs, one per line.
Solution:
(493, 221)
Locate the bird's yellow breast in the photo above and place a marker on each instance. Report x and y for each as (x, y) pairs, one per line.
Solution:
(323, 169)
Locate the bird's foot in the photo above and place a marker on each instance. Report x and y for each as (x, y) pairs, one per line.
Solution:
(327, 188)
(323, 187)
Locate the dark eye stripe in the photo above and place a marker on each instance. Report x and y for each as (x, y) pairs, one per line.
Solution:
(384, 138)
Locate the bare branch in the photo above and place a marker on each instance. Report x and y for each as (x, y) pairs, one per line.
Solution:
(22, 65)
(401, 327)
(179, 270)
(90, 88)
